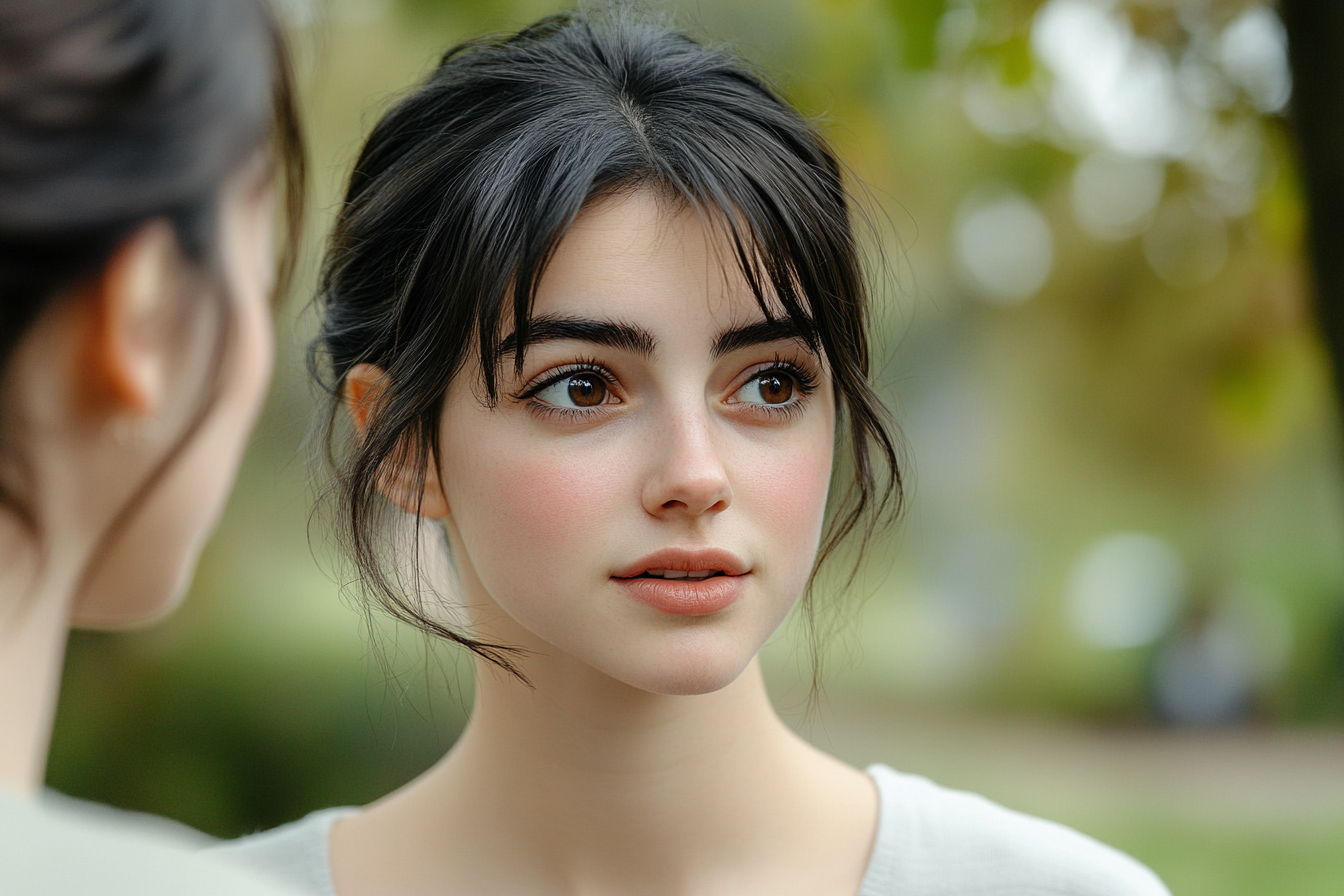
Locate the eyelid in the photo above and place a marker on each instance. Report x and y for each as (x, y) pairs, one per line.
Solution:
(553, 375)
(806, 381)
(806, 378)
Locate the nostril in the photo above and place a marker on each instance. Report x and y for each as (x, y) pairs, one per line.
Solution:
(683, 494)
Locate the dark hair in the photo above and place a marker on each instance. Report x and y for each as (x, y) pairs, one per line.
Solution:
(467, 185)
(116, 112)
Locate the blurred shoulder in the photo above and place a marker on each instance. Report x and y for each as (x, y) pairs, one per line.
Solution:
(55, 850)
(933, 841)
(298, 853)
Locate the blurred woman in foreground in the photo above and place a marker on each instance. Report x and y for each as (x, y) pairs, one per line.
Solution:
(139, 147)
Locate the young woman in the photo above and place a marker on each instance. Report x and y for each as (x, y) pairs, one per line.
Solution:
(595, 308)
(139, 146)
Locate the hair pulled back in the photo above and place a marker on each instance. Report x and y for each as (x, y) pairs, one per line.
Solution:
(465, 188)
(113, 112)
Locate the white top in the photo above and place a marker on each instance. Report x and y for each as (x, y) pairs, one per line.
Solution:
(58, 848)
(931, 841)
(299, 853)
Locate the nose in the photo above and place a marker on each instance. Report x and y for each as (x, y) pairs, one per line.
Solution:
(688, 477)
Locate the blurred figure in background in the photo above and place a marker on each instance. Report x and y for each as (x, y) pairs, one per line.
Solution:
(141, 142)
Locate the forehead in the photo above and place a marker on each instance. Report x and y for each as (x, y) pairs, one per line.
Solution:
(640, 257)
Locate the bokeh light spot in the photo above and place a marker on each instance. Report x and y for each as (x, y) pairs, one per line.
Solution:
(1109, 84)
(1004, 247)
(1125, 590)
(1114, 195)
(1253, 51)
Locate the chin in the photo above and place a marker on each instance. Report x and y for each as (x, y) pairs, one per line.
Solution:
(690, 669)
(133, 599)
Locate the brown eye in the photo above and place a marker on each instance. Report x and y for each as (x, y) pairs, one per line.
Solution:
(775, 388)
(586, 390)
(577, 391)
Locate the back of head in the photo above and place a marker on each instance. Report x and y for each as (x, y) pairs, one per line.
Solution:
(113, 112)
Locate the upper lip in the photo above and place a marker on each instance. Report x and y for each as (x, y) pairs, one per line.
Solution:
(714, 559)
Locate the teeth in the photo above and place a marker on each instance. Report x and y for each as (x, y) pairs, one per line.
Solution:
(681, 573)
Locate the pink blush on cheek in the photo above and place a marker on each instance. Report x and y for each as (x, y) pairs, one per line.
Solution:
(784, 489)
(533, 516)
(541, 502)
(787, 495)
(546, 499)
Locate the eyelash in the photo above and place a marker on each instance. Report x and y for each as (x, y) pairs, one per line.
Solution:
(805, 379)
(529, 392)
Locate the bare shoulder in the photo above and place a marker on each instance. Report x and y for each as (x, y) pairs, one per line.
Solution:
(933, 840)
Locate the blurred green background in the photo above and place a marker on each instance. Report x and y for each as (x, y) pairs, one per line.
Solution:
(1118, 596)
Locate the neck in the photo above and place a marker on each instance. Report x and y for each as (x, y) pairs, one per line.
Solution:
(593, 786)
(34, 624)
(602, 737)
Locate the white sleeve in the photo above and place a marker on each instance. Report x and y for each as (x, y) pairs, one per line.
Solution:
(938, 842)
(66, 852)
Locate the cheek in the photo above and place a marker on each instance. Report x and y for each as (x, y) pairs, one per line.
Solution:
(251, 364)
(786, 494)
(544, 500)
(527, 515)
(793, 486)
(154, 556)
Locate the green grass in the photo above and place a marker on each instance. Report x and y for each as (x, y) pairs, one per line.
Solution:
(1197, 861)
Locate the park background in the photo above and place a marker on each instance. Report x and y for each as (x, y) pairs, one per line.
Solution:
(1117, 596)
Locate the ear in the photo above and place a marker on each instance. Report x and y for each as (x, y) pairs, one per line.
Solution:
(362, 391)
(131, 339)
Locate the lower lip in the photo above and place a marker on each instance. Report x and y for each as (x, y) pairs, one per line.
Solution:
(686, 597)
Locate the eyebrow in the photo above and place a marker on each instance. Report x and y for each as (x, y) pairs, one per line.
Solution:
(613, 334)
(634, 338)
(758, 333)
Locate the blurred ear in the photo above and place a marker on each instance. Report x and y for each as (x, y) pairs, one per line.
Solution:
(362, 392)
(130, 342)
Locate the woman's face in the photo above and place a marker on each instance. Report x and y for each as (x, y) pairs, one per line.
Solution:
(647, 496)
(152, 559)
